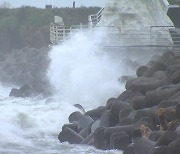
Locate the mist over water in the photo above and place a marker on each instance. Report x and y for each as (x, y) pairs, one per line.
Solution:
(82, 72)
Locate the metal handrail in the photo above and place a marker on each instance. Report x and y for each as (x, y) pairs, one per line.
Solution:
(161, 27)
(95, 18)
(152, 36)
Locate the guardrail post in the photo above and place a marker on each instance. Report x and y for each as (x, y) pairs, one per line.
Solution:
(64, 34)
(81, 27)
(70, 30)
(150, 36)
(89, 21)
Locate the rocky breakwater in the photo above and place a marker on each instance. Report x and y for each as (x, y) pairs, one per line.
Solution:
(26, 70)
(144, 119)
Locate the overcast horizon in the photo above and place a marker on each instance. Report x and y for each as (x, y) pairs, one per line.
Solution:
(54, 3)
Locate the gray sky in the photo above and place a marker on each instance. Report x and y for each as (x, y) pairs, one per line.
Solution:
(57, 3)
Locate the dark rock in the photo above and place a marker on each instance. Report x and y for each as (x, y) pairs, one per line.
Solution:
(119, 140)
(129, 149)
(136, 133)
(26, 91)
(148, 112)
(118, 106)
(68, 135)
(87, 139)
(132, 115)
(127, 129)
(161, 150)
(147, 121)
(99, 138)
(91, 142)
(110, 102)
(178, 130)
(84, 122)
(151, 63)
(167, 138)
(128, 95)
(176, 61)
(2, 57)
(95, 125)
(176, 77)
(139, 102)
(168, 103)
(157, 66)
(75, 116)
(143, 84)
(79, 106)
(160, 94)
(176, 54)
(175, 146)
(141, 70)
(85, 132)
(172, 69)
(14, 92)
(108, 119)
(121, 121)
(177, 113)
(155, 135)
(175, 97)
(74, 127)
(96, 113)
(141, 122)
(125, 112)
(168, 57)
(143, 146)
(159, 75)
(126, 121)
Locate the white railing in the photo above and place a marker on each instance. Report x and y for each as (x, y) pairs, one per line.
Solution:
(158, 36)
(94, 19)
(165, 5)
(59, 33)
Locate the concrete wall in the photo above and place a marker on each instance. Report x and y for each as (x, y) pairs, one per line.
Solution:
(174, 14)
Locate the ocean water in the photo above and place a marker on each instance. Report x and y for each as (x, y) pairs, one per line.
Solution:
(82, 72)
(31, 126)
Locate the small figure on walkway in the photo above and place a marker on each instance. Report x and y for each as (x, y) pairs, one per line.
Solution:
(74, 4)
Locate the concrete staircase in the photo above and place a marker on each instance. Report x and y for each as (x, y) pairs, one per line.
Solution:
(175, 35)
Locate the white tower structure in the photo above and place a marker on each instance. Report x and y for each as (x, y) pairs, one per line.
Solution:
(57, 30)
